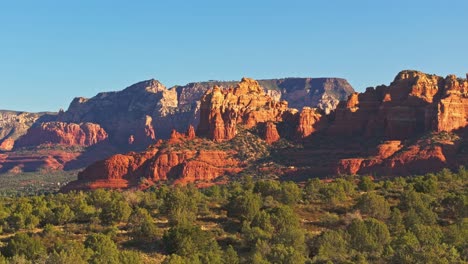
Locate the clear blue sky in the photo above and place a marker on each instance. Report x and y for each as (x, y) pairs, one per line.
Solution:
(52, 51)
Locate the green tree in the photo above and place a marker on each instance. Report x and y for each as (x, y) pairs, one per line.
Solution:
(40, 208)
(81, 208)
(331, 246)
(456, 235)
(405, 247)
(104, 249)
(395, 222)
(427, 235)
(181, 205)
(268, 188)
(336, 191)
(175, 259)
(418, 207)
(455, 205)
(366, 184)
(428, 184)
(290, 193)
(369, 236)
(230, 256)
(69, 252)
(22, 215)
(281, 253)
(130, 257)
(245, 206)
(141, 226)
(311, 189)
(62, 215)
(115, 211)
(23, 244)
(190, 241)
(374, 205)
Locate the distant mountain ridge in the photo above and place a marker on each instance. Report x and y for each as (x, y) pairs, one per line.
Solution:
(133, 118)
(415, 125)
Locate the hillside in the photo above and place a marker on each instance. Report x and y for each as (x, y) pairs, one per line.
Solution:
(415, 125)
(94, 128)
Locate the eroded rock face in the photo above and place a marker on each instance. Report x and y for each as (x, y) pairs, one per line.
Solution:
(413, 103)
(310, 121)
(247, 104)
(139, 115)
(127, 116)
(322, 93)
(383, 131)
(69, 134)
(158, 163)
(271, 134)
(37, 160)
(418, 158)
(7, 144)
(15, 124)
(148, 110)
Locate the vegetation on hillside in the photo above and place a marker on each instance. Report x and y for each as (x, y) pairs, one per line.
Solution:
(349, 220)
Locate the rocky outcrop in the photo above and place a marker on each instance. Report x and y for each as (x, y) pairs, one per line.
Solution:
(69, 134)
(15, 124)
(411, 126)
(310, 121)
(393, 159)
(322, 93)
(413, 103)
(453, 107)
(159, 163)
(129, 116)
(139, 115)
(190, 132)
(246, 104)
(36, 160)
(147, 110)
(271, 134)
(7, 144)
(388, 130)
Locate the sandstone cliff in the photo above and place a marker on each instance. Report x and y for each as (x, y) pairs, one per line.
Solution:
(148, 110)
(412, 104)
(386, 130)
(135, 118)
(15, 124)
(171, 161)
(69, 134)
(415, 125)
(246, 104)
(127, 116)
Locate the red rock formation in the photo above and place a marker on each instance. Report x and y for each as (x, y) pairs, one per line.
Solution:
(413, 103)
(41, 159)
(157, 164)
(271, 134)
(69, 134)
(246, 104)
(190, 132)
(310, 121)
(145, 133)
(349, 166)
(392, 159)
(7, 144)
(377, 132)
(452, 113)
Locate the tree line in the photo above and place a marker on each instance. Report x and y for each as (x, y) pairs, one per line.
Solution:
(352, 219)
